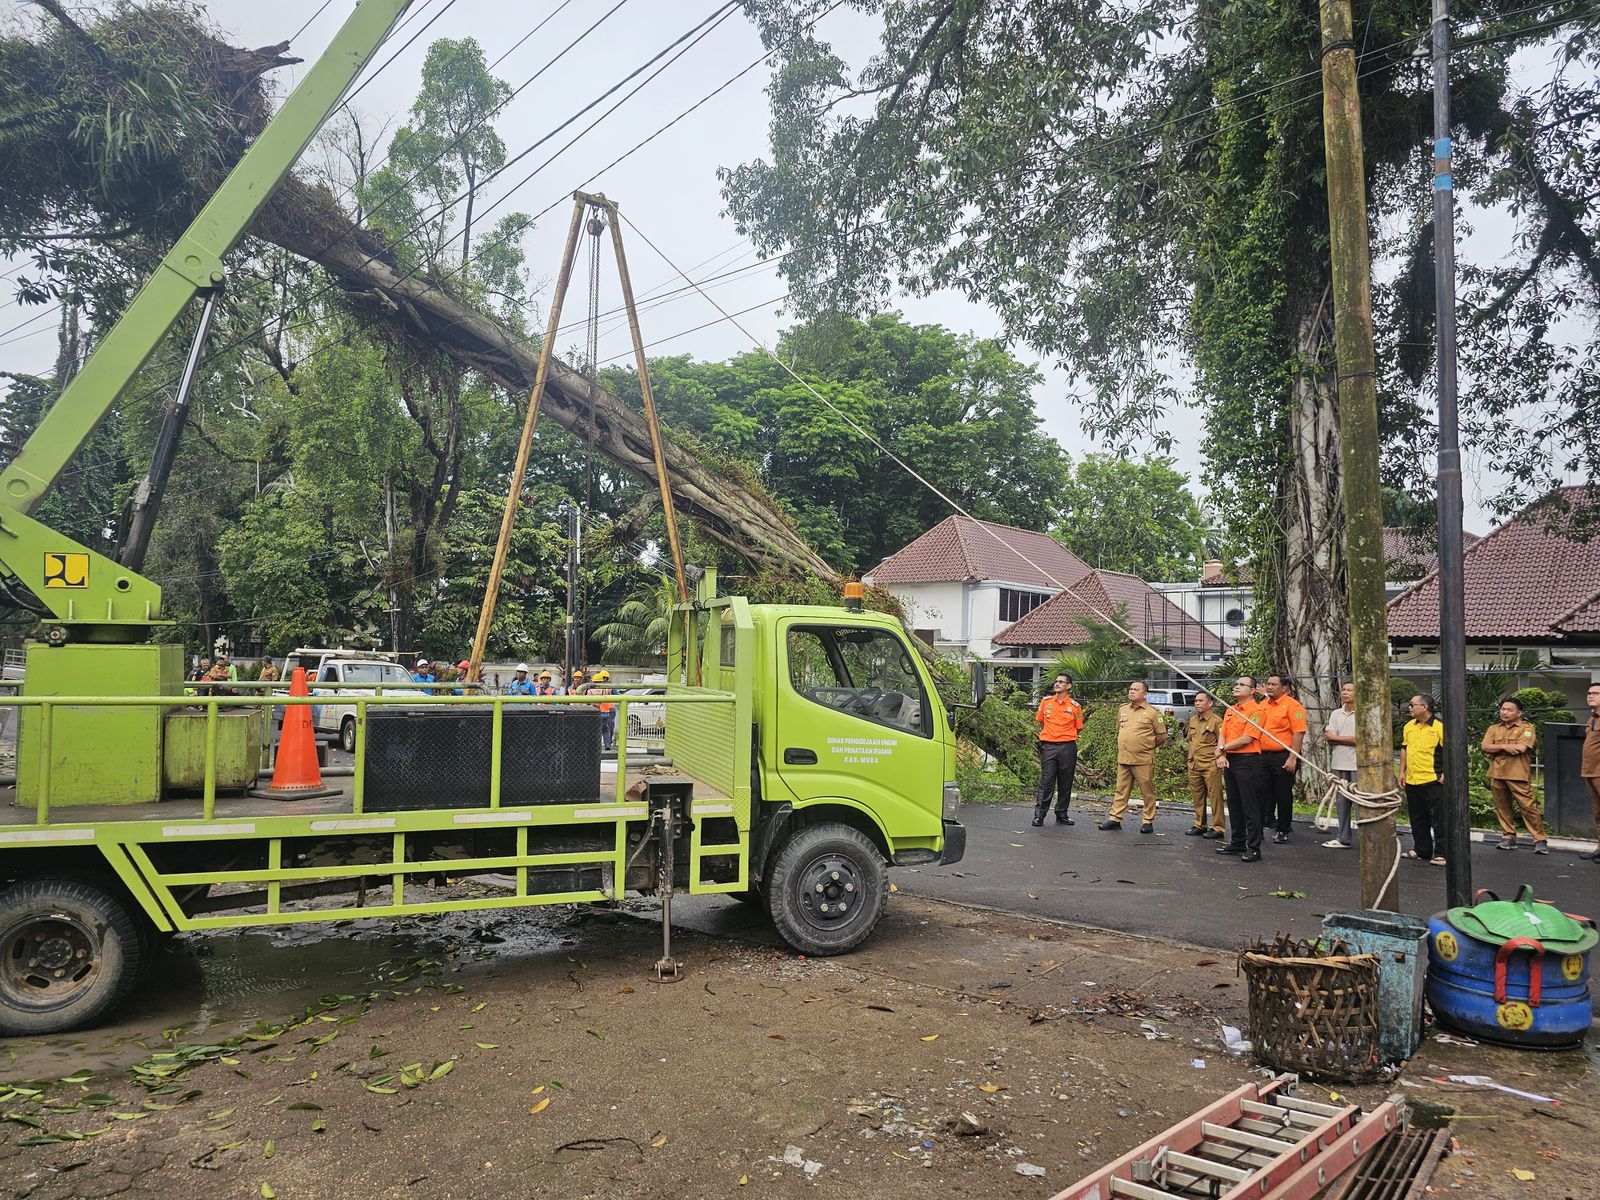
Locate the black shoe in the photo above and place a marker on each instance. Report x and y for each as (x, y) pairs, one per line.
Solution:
(1230, 848)
(1280, 837)
(1147, 827)
(1195, 831)
(1038, 820)
(1109, 825)
(1250, 856)
(1213, 835)
(1063, 819)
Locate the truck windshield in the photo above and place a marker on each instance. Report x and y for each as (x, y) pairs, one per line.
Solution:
(374, 673)
(864, 672)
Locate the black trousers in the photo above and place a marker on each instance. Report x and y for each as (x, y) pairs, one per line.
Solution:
(1280, 789)
(1425, 802)
(1058, 764)
(1245, 785)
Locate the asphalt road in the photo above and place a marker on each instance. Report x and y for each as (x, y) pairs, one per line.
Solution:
(1167, 885)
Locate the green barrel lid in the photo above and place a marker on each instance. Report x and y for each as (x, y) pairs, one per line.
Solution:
(1497, 921)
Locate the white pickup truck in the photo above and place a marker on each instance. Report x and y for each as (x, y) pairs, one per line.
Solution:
(336, 721)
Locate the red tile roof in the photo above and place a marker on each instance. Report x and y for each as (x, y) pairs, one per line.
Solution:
(1406, 558)
(1525, 581)
(1584, 618)
(959, 548)
(1153, 617)
(1220, 579)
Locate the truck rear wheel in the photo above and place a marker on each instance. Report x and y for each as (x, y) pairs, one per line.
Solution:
(347, 735)
(827, 889)
(69, 952)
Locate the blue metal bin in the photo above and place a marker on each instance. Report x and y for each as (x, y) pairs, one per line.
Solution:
(1399, 943)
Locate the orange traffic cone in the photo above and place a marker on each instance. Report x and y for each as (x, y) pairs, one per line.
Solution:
(295, 774)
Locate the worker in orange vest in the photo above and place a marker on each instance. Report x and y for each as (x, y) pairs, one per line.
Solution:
(608, 711)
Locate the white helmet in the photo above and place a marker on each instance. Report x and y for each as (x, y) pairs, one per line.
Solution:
(422, 662)
(522, 668)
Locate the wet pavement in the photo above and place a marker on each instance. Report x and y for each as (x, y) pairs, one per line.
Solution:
(1167, 885)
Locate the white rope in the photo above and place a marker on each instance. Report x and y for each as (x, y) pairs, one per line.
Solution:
(1379, 806)
(1383, 804)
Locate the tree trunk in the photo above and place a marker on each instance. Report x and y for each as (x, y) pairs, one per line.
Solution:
(307, 222)
(1312, 640)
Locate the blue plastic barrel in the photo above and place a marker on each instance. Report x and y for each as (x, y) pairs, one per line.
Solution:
(1516, 994)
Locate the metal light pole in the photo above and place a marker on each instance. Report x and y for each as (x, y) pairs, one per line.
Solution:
(1452, 586)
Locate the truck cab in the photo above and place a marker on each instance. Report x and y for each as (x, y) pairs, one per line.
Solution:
(852, 758)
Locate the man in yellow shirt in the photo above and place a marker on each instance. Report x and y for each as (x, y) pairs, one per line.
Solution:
(1508, 745)
(1060, 720)
(1422, 770)
(1140, 730)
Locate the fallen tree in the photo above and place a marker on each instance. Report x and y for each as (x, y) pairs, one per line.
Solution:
(305, 221)
(181, 141)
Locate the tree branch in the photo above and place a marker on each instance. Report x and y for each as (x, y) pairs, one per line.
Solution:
(76, 31)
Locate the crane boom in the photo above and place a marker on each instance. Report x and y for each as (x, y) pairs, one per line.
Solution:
(79, 587)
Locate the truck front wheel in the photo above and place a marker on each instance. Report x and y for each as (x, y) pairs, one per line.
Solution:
(827, 889)
(347, 735)
(69, 952)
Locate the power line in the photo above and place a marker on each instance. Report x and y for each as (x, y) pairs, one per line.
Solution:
(321, 8)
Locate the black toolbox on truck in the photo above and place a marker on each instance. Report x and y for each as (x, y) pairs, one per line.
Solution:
(438, 757)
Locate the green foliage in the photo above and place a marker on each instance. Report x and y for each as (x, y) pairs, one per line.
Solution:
(1115, 187)
(957, 409)
(1133, 515)
(278, 554)
(638, 631)
(444, 151)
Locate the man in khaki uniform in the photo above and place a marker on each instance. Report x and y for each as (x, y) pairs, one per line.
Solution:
(1140, 730)
(1508, 745)
(1200, 734)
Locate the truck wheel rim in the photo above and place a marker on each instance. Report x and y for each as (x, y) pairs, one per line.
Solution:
(831, 891)
(47, 961)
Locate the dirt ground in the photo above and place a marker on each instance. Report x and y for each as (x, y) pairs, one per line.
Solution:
(958, 1049)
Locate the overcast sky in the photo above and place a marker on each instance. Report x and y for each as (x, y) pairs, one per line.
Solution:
(669, 188)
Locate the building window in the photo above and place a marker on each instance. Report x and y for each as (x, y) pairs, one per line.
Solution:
(1015, 605)
(1234, 617)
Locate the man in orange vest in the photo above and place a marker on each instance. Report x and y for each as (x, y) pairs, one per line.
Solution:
(1283, 735)
(1060, 719)
(1239, 756)
(608, 711)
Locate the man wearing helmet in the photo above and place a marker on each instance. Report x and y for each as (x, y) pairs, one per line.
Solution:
(608, 711)
(521, 685)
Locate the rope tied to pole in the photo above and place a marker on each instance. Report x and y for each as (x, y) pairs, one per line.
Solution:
(1378, 806)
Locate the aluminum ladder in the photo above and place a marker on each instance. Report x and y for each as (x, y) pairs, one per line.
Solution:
(1261, 1142)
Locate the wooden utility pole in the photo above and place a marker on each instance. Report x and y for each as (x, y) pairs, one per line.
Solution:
(1358, 438)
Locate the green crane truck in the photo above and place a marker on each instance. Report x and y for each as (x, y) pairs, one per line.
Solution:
(814, 751)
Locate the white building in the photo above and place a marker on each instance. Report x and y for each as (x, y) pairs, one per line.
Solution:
(1013, 598)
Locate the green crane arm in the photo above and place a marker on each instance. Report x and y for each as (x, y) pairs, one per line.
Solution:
(78, 586)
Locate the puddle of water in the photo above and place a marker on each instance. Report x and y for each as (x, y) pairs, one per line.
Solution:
(216, 985)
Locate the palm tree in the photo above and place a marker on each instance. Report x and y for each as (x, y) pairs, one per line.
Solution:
(639, 629)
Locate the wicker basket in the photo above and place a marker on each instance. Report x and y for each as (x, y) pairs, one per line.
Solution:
(1313, 1010)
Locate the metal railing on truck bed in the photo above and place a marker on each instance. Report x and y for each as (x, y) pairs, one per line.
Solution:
(185, 859)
